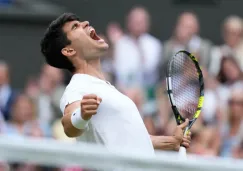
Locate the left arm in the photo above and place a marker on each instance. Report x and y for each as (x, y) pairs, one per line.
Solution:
(165, 143)
(172, 142)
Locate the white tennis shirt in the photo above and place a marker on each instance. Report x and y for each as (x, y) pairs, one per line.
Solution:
(117, 124)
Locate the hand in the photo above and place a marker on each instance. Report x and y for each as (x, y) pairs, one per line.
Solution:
(89, 105)
(179, 135)
(186, 140)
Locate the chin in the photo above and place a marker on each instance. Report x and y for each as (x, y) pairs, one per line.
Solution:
(104, 46)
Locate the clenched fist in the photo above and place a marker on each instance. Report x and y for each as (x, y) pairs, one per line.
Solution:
(89, 105)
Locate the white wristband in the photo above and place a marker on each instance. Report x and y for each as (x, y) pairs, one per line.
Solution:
(77, 120)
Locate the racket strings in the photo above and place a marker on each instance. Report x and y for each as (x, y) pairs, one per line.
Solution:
(185, 85)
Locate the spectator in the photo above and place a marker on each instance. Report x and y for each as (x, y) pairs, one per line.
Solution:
(186, 37)
(232, 130)
(232, 46)
(23, 119)
(7, 94)
(136, 59)
(229, 72)
(229, 76)
(46, 92)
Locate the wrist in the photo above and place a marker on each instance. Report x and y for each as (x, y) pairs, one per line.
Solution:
(153, 140)
(164, 143)
(77, 120)
(176, 143)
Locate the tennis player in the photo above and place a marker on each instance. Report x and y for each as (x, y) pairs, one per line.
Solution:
(93, 109)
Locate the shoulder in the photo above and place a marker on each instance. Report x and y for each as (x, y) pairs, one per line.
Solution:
(78, 86)
(152, 43)
(151, 39)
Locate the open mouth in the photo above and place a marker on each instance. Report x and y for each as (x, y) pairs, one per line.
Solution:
(93, 34)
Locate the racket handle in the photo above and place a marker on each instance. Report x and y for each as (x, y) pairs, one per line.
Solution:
(182, 152)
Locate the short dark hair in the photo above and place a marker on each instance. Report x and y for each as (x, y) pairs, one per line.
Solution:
(55, 39)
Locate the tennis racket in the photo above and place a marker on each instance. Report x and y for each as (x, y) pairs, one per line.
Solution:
(185, 88)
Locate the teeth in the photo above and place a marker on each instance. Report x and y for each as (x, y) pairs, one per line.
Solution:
(91, 29)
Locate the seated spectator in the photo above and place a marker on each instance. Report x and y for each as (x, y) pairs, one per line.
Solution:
(186, 37)
(7, 94)
(229, 72)
(229, 75)
(136, 58)
(232, 130)
(232, 46)
(23, 120)
(46, 91)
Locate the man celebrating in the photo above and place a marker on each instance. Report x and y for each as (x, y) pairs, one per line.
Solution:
(93, 109)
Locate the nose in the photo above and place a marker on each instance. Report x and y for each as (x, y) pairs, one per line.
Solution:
(86, 24)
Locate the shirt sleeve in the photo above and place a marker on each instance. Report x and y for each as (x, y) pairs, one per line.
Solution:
(69, 97)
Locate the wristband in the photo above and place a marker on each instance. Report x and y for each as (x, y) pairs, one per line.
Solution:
(77, 120)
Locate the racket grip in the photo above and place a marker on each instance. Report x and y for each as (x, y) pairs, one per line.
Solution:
(182, 152)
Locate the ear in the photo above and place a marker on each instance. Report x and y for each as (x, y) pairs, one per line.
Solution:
(69, 52)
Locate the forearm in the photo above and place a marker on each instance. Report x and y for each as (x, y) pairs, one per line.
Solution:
(69, 129)
(164, 142)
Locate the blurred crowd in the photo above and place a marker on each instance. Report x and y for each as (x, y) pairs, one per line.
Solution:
(136, 64)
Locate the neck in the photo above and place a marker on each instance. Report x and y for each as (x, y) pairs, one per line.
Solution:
(133, 36)
(90, 67)
(180, 41)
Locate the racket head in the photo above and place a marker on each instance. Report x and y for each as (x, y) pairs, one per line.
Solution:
(184, 75)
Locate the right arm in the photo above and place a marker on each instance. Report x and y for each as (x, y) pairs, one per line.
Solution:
(75, 121)
(69, 129)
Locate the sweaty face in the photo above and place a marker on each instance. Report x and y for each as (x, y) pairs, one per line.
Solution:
(84, 40)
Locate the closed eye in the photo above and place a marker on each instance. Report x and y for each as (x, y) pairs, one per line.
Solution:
(75, 25)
